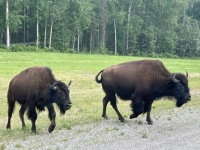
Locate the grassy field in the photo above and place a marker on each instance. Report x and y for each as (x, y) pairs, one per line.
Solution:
(85, 93)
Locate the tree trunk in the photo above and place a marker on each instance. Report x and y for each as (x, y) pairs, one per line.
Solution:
(74, 40)
(115, 30)
(1, 39)
(37, 41)
(98, 38)
(78, 41)
(103, 17)
(50, 37)
(127, 32)
(24, 23)
(37, 38)
(7, 25)
(91, 39)
(51, 28)
(27, 26)
(45, 33)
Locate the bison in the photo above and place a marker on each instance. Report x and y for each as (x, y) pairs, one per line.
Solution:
(142, 82)
(34, 88)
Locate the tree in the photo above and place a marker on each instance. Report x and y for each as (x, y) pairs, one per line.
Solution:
(103, 14)
(7, 25)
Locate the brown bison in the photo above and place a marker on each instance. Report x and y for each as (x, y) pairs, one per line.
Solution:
(142, 82)
(34, 88)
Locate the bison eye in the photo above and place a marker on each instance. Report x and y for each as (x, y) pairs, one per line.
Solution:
(180, 86)
(60, 93)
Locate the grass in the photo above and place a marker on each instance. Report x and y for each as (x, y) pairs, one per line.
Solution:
(85, 93)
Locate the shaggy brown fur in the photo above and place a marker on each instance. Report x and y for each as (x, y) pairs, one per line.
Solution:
(34, 88)
(142, 82)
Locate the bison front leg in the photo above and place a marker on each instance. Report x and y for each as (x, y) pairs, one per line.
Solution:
(147, 108)
(52, 116)
(137, 107)
(32, 115)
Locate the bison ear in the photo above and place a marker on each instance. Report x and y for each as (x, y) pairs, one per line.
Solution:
(69, 83)
(170, 83)
(52, 87)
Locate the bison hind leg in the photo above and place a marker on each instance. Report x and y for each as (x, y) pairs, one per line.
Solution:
(21, 114)
(113, 102)
(11, 105)
(105, 102)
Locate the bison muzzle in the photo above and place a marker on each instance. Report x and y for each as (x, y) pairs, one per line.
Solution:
(142, 82)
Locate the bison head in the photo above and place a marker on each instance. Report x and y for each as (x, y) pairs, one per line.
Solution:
(180, 89)
(60, 95)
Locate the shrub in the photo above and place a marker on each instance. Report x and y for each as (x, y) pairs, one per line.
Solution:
(17, 48)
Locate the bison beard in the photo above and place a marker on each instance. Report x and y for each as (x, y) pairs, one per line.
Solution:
(142, 82)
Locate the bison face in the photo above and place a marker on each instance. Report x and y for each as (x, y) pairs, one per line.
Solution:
(182, 94)
(180, 89)
(61, 96)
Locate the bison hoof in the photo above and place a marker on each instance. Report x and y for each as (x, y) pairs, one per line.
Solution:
(23, 127)
(8, 126)
(150, 122)
(132, 116)
(105, 117)
(33, 131)
(122, 120)
(51, 128)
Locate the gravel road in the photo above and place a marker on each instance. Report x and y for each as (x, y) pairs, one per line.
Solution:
(175, 129)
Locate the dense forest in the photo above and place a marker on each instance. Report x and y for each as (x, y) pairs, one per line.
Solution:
(155, 28)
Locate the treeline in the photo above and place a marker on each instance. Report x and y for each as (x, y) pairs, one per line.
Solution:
(164, 28)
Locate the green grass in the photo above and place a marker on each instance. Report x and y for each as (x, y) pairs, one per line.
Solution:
(85, 93)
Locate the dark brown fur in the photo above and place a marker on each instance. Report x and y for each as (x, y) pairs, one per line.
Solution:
(34, 88)
(141, 82)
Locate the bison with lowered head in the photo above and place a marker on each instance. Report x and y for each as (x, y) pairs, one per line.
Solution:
(142, 82)
(34, 88)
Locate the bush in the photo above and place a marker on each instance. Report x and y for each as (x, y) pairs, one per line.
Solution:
(168, 55)
(17, 48)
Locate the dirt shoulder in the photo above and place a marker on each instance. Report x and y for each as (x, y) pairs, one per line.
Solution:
(175, 129)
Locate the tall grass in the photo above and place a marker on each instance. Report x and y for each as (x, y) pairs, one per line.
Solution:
(85, 93)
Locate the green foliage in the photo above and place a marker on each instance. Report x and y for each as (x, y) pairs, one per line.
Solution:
(17, 48)
(23, 48)
(156, 28)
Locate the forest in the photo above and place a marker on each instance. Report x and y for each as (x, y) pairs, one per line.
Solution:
(153, 28)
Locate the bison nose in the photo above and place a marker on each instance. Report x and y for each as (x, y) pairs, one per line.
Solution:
(189, 98)
(68, 106)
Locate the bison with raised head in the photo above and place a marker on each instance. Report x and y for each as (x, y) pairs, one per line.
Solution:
(142, 82)
(37, 88)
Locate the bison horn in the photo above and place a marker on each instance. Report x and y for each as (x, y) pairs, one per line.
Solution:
(53, 86)
(69, 83)
(186, 74)
(174, 79)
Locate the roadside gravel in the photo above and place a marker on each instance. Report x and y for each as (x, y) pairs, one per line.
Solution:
(175, 129)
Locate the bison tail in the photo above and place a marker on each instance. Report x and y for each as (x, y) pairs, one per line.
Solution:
(96, 78)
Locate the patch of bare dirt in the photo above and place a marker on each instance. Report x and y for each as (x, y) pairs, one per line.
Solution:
(175, 129)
